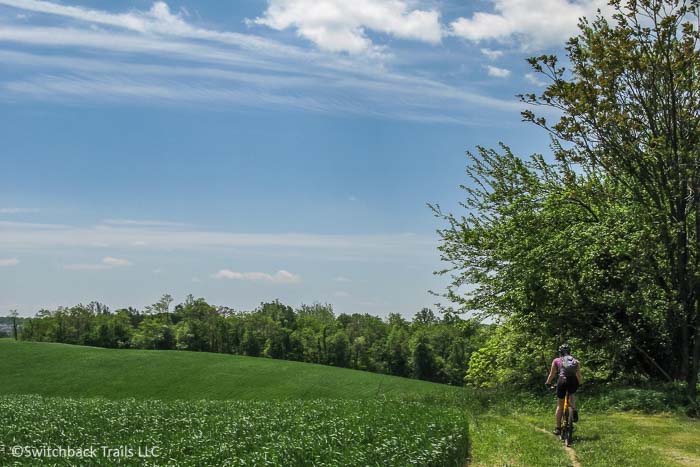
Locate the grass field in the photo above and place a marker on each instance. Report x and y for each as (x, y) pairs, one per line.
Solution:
(63, 370)
(213, 409)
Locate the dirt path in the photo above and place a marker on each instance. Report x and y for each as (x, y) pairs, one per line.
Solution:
(569, 451)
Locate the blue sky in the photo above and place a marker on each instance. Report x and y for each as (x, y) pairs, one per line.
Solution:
(250, 150)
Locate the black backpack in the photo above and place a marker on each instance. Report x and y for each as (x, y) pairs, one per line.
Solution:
(569, 366)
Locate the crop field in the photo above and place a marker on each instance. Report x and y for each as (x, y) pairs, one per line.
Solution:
(313, 432)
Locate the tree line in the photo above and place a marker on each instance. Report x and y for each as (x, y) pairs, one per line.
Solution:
(430, 347)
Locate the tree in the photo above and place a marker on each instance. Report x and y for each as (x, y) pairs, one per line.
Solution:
(423, 358)
(163, 305)
(425, 316)
(14, 315)
(630, 112)
(397, 351)
(339, 349)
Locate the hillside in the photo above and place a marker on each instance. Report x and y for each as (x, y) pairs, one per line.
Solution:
(74, 371)
(290, 407)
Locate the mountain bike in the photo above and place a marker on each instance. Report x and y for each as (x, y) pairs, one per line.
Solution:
(567, 423)
(567, 420)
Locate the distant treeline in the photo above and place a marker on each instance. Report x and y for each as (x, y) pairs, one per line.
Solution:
(428, 347)
(7, 324)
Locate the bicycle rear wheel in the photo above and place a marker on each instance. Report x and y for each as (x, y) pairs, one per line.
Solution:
(564, 429)
(569, 432)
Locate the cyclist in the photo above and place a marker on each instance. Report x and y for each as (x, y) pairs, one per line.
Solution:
(569, 379)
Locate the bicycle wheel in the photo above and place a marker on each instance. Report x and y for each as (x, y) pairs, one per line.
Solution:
(564, 429)
(569, 435)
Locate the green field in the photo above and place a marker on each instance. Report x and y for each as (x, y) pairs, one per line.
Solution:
(214, 409)
(295, 432)
(72, 371)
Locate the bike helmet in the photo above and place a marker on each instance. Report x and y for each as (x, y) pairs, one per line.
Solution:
(564, 349)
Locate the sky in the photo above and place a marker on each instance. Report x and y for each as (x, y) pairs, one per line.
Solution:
(251, 150)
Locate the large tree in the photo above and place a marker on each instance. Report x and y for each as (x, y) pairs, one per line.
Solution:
(630, 110)
(626, 138)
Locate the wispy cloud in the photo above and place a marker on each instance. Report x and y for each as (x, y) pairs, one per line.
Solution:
(18, 210)
(9, 262)
(108, 262)
(280, 277)
(198, 65)
(8, 226)
(492, 54)
(534, 79)
(22, 236)
(111, 261)
(142, 223)
(342, 279)
(497, 72)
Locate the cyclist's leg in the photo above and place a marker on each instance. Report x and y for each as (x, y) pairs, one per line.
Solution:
(572, 407)
(573, 387)
(559, 412)
(561, 394)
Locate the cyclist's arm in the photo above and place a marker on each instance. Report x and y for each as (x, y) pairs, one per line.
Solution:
(579, 377)
(552, 372)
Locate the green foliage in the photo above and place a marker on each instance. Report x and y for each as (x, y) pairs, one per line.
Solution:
(508, 358)
(601, 245)
(630, 117)
(318, 432)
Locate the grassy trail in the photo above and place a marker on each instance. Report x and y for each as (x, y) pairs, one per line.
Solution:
(601, 439)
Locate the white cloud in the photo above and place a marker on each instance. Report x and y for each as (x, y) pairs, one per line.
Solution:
(497, 72)
(9, 262)
(534, 79)
(50, 236)
(141, 223)
(492, 54)
(342, 279)
(196, 280)
(9, 225)
(340, 25)
(108, 262)
(280, 277)
(535, 24)
(17, 210)
(86, 267)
